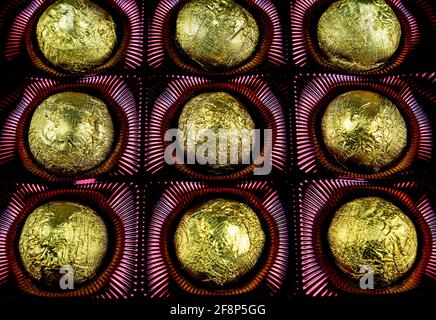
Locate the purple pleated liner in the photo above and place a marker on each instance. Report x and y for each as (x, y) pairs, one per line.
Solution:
(254, 92)
(315, 92)
(319, 200)
(21, 49)
(163, 276)
(116, 203)
(122, 96)
(424, 85)
(163, 53)
(416, 37)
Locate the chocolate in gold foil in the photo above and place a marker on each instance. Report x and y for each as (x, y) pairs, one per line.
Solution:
(216, 33)
(359, 34)
(63, 234)
(219, 113)
(76, 35)
(372, 235)
(364, 130)
(219, 241)
(71, 133)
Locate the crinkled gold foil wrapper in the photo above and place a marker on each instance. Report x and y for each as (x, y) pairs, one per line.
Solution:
(359, 35)
(220, 113)
(63, 234)
(372, 232)
(71, 133)
(76, 35)
(219, 241)
(364, 130)
(216, 33)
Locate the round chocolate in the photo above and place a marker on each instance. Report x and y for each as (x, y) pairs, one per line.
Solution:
(71, 133)
(219, 241)
(63, 234)
(359, 35)
(216, 33)
(222, 116)
(364, 130)
(371, 235)
(76, 35)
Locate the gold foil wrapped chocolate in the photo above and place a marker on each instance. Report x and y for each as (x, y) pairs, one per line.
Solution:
(371, 235)
(229, 122)
(60, 237)
(359, 35)
(71, 133)
(76, 35)
(364, 130)
(219, 241)
(216, 33)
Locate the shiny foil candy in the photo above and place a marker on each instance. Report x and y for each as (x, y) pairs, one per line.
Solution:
(72, 242)
(361, 127)
(218, 113)
(216, 241)
(76, 35)
(372, 234)
(216, 37)
(366, 239)
(364, 131)
(359, 35)
(216, 34)
(63, 236)
(71, 133)
(219, 241)
(215, 118)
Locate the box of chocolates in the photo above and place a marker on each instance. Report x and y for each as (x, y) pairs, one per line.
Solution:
(240, 157)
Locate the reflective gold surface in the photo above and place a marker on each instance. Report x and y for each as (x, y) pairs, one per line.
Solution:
(71, 133)
(373, 232)
(362, 129)
(60, 234)
(359, 34)
(216, 33)
(76, 35)
(218, 112)
(219, 241)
